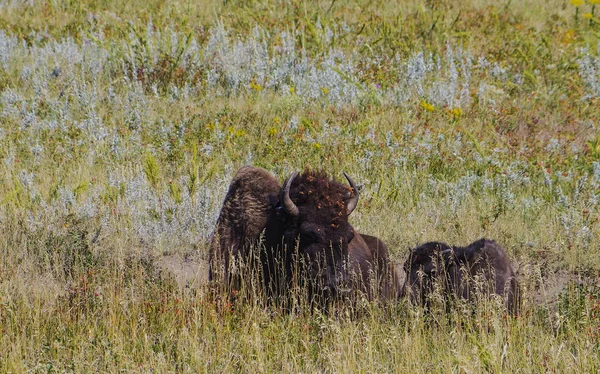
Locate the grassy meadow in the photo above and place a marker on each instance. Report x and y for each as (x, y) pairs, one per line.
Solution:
(122, 123)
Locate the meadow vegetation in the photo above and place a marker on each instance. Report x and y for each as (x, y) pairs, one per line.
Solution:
(122, 123)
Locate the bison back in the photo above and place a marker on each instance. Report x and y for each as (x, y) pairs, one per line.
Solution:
(487, 258)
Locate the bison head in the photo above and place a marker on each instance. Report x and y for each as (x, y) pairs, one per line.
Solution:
(316, 211)
(424, 265)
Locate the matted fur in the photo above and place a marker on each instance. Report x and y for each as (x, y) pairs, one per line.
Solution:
(321, 198)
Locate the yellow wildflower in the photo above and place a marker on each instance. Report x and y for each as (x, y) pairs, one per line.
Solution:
(272, 131)
(456, 112)
(577, 2)
(292, 89)
(255, 86)
(324, 90)
(569, 37)
(427, 106)
(593, 2)
(240, 133)
(276, 120)
(588, 15)
(317, 145)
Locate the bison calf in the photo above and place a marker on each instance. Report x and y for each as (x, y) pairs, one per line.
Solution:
(460, 271)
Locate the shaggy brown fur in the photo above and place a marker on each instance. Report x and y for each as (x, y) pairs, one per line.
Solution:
(457, 267)
(243, 217)
(321, 200)
(318, 242)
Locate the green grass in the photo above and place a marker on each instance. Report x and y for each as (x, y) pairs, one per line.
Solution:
(118, 141)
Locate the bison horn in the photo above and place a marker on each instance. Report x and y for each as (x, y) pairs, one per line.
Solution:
(353, 201)
(287, 203)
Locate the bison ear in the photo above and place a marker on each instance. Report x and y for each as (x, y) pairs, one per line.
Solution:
(274, 201)
(448, 256)
(275, 204)
(471, 251)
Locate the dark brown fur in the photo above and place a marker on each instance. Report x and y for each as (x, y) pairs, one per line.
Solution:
(456, 267)
(318, 243)
(372, 258)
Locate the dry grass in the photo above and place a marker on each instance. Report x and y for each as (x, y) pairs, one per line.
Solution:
(122, 124)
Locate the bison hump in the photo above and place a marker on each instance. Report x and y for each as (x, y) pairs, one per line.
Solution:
(247, 203)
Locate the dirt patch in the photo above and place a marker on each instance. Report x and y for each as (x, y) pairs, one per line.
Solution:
(187, 272)
(541, 286)
(552, 285)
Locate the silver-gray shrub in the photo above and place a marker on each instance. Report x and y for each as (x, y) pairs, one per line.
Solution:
(460, 190)
(8, 45)
(156, 218)
(435, 79)
(230, 63)
(596, 172)
(589, 71)
(234, 64)
(71, 76)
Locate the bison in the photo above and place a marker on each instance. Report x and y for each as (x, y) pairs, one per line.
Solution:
(457, 270)
(296, 233)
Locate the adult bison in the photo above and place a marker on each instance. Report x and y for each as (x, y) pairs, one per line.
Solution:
(464, 272)
(296, 234)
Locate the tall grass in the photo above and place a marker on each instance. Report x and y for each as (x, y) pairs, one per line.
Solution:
(122, 125)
